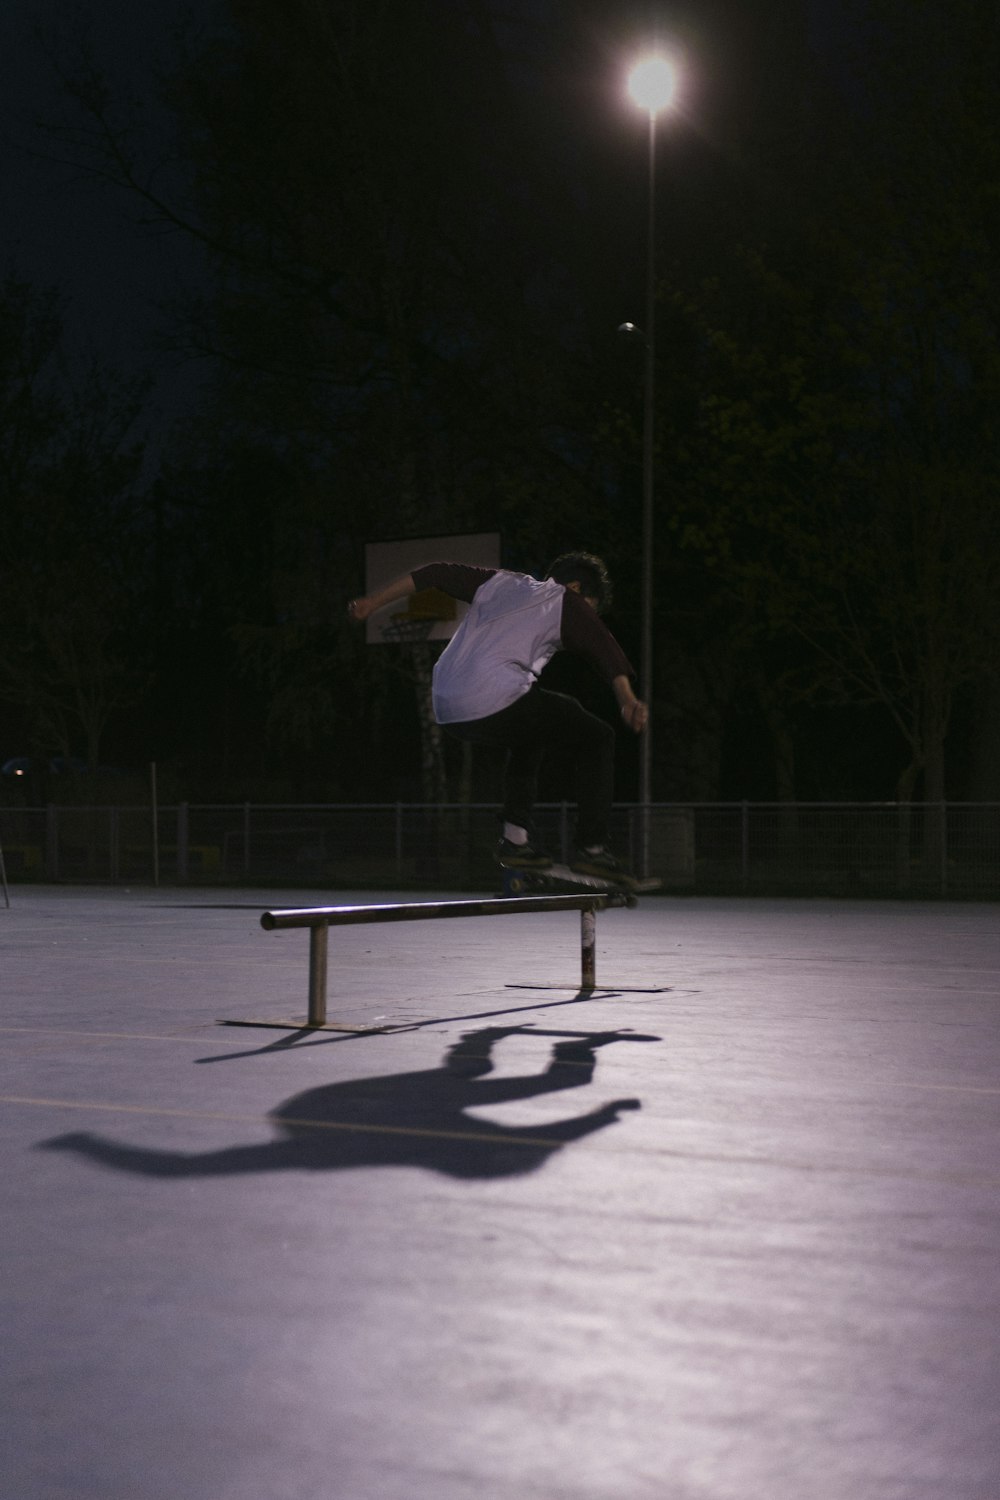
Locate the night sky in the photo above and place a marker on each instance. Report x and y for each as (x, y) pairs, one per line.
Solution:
(69, 231)
(72, 232)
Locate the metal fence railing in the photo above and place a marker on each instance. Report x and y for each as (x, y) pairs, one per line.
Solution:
(852, 849)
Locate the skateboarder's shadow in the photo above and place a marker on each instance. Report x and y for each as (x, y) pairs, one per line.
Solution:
(402, 1119)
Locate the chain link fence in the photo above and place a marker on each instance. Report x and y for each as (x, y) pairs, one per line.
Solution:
(837, 849)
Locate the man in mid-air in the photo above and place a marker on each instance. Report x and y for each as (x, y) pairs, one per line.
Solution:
(486, 690)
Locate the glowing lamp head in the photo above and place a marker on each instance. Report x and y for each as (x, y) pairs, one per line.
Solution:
(652, 84)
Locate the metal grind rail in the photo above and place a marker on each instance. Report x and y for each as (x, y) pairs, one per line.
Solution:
(319, 920)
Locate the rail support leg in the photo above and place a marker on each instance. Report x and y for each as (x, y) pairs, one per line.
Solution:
(319, 936)
(588, 948)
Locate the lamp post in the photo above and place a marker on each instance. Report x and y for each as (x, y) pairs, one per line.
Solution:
(651, 85)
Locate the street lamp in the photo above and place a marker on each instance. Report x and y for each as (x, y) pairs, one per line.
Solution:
(651, 85)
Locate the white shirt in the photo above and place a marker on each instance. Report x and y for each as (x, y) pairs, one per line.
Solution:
(511, 630)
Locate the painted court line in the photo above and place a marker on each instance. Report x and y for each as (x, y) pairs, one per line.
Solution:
(116, 1036)
(493, 1138)
(149, 1036)
(490, 1138)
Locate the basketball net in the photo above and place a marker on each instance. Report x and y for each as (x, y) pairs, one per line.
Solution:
(408, 630)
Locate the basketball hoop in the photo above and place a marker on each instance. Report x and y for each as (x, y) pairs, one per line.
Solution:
(389, 560)
(408, 630)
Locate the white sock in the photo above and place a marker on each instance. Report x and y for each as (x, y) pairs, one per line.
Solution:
(514, 834)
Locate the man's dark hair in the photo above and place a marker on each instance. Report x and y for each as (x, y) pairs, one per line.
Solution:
(586, 570)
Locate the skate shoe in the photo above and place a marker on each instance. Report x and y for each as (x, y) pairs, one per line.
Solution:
(602, 863)
(522, 856)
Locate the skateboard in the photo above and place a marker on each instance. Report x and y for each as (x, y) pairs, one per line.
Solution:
(518, 882)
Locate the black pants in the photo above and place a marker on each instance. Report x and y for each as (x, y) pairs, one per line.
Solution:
(541, 721)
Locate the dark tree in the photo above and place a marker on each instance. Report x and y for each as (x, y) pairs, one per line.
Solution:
(71, 567)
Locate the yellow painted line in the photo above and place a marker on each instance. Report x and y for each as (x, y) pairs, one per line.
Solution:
(949, 1088)
(840, 1169)
(489, 1138)
(213, 1040)
(146, 1036)
(116, 1036)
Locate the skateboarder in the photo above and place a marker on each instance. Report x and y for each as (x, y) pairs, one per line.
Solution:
(485, 690)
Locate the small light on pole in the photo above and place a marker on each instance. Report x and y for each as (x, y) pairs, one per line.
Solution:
(652, 85)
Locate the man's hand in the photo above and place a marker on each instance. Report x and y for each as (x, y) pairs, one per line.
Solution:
(634, 711)
(636, 715)
(359, 610)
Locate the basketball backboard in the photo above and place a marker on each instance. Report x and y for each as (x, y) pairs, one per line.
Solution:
(385, 561)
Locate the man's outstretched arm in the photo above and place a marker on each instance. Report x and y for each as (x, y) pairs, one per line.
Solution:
(460, 580)
(360, 609)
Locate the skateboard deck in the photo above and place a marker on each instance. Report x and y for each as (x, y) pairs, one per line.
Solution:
(517, 882)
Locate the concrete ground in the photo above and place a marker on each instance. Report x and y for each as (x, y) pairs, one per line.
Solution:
(735, 1239)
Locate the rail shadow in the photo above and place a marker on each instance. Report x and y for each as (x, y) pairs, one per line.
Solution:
(298, 1038)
